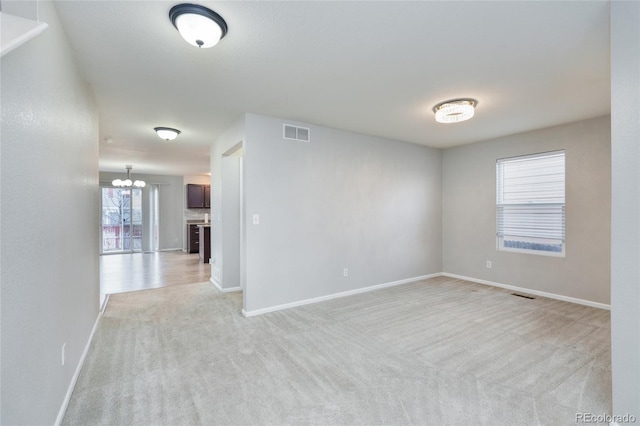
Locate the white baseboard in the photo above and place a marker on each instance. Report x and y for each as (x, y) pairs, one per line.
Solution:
(215, 283)
(530, 291)
(224, 290)
(76, 374)
(335, 295)
(105, 303)
(172, 249)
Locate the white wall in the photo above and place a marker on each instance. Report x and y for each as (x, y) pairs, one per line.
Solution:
(469, 212)
(343, 200)
(230, 211)
(197, 179)
(231, 138)
(49, 210)
(625, 232)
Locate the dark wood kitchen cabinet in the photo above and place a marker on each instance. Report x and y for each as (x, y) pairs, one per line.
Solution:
(194, 238)
(198, 196)
(207, 196)
(205, 243)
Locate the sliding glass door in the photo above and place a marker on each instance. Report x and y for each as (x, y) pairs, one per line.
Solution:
(121, 220)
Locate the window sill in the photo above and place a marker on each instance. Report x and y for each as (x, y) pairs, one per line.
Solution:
(536, 252)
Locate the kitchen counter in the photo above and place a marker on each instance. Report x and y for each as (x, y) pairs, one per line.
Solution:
(194, 229)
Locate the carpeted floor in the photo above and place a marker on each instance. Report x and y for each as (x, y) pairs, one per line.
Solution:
(441, 351)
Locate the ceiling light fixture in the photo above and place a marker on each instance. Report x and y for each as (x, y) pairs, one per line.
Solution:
(167, 133)
(127, 183)
(199, 26)
(455, 110)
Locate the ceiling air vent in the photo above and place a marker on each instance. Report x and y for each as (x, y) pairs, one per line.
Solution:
(295, 133)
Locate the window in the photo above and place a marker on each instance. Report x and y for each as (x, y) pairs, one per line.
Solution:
(530, 211)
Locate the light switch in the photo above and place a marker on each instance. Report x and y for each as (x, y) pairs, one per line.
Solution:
(256, 219)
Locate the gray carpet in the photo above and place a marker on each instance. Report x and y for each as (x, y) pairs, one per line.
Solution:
(441, 351)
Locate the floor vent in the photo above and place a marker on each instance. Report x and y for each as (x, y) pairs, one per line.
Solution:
(523, 296)
(296, 133)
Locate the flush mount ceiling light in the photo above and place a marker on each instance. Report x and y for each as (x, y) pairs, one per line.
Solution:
(455, 110)
(127, 183)
(199, 26)
(167, 133)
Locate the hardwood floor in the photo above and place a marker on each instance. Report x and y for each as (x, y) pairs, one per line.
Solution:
(140, 271)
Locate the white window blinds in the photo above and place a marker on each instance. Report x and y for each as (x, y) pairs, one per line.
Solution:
(531, 202)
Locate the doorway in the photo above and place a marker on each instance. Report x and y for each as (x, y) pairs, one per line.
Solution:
(120, 220)
(232, 210)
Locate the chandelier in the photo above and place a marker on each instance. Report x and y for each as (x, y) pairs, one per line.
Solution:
(127, 183)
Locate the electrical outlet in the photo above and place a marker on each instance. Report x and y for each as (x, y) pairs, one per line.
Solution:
(64, 346)
(345, 272)
(488, 264)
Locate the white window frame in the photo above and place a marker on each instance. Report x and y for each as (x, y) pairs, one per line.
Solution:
(552, 207)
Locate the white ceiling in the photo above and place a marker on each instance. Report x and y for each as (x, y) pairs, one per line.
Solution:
(369, 67)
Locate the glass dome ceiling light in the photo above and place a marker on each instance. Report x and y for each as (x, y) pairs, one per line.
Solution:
(198, 25)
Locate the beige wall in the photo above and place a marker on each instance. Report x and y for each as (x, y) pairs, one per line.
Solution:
(342, 200)
(469, 212)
